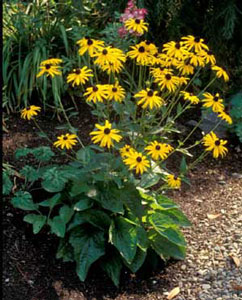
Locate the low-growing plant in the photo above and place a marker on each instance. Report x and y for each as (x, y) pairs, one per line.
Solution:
(236, 114)
(109, 204)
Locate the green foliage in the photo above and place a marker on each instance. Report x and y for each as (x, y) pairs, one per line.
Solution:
(236, 114)
(100, 220)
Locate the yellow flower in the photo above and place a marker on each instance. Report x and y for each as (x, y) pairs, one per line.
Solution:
(51, 61)
(208, 57)
(157, 72)
(195, 43)
(136, 25)
(213, 143)
(184, 67)
(220, 73)
(79, 76)
(168, 81)
(29, 112)
(149, 99)
(105, 135)
(90, 45)
(166, 61)
(49, 69)
(173, 181)
(139, 53)
(175, 49)
(190, 97)
(196, 60)
(112, 67)
(96, 93)
(126, 151)
(158, 150)
(151, 48)
(214, 102)
(137, 161)
(115, 92)
(109, 55)
(224, 116)
(66, 141)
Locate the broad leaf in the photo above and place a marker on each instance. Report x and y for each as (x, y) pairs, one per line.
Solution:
(110, 200)
(177, 216)
(66, 213)
(85, 155)
(43, 153)
(53, 180)
(38, 221)
(164, 247)
(22, 152)
(23, 200)
(65, 251)
(52, 202)
(88, 247)
(123, 236)
(29, 173)
(57, 226)
(148, 180)
(112, 265)
(7, 184)
(83, 204)
(79, 187)
(137, 261)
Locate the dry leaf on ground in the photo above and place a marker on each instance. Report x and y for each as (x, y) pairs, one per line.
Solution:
(237, 287)
(236, 260)
(173, 293)
(213, 216)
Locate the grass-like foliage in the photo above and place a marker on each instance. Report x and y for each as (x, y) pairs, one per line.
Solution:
(109, 204)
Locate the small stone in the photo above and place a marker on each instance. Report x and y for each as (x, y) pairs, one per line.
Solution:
(206, 286)
(183, 267)
(7, 280)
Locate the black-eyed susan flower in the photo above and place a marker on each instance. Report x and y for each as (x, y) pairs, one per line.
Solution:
(79, 76)
(89, 45)
(195, 43)
(126, 151)
(149, 98)
(29, 112)
(109, 55)
(215, 102)
(49, 69)
(115, 92)
(173, 181)
(105, 135)
(66, 141)
(224, 116)
(158, 150)
(150, 47)
(51, 61)
(220, 72)
(196, 60)
(156, 72)
(209, 58)
(137, 161)
(138, 26)
(214, 144)
(182, 80)
(96, 93)
(184, 67)
(140, 54)
(175, 49)
(168, 81)
(190, 97)
(112, 67)
(166, 61)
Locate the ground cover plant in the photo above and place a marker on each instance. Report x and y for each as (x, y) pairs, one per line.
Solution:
(108, 205)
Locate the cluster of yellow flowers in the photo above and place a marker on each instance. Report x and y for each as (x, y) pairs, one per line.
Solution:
(168, 70)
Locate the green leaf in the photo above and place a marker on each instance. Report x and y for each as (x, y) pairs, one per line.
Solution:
(38, 221)
(83, 204)
(109, 200)
(88, 247)
(57, 226)
(165, 202)
(65, 251)
(179, 108)
(22, 152)
(43, 153)
(79, 187)
(142, 239)
(148, 180)
(94, 217)
(85, 155)
(29, 173)
(164, 247)
(23, 200)
(112, 265)
(177, 216)
(183, 165)
(53, 180)
(164, 226)
(123, 236)
(7, 184)
(137, 261)
(66, 213)
(52, 202)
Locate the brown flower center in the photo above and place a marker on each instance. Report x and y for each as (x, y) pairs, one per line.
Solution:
(47, 66)
(78, 71)
(105, 52)
(95, 88)
(139, 159)
(197, 39)
(27, 108)
(114, 89)
(216, 98)
(148, 43)
(178, 46)
(150, 93)
(87, 37)
(168, 77)
(137, 21)
(217, 143)
(210, 52)
(141, 49)
(89, 42)
(157, 147)
(65, 138)
(107, 130)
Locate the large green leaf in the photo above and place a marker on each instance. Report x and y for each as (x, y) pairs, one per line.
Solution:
(83, 204)
(142, 239)
(137, 261)
(109, 199)
(164, 226)
(57, 226)
(88, 247)
(54, 180)
(7, 184)
(112, 265)
(85, 155)
(65, 251)
(148, 180)
(52, 202)
(66, 213)
(30, 173)
(38, 221)
(79, 187)
(177, 216)
(123, 235)
(95, 217)
(23, 200)
(22, 152)
(43, 153)
(164, 247)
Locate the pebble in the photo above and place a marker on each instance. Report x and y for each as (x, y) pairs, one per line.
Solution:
(183, 267)
(206, 286)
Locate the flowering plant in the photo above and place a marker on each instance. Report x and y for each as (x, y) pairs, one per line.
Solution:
(103, 208)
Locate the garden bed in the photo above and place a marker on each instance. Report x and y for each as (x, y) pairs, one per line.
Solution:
(209, 272)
